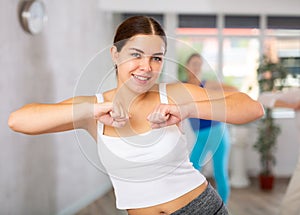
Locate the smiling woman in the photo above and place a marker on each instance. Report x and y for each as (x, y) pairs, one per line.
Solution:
(141, 58)
(136, 126)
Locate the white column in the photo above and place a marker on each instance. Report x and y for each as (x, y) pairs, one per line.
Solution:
(171, 67)
(239, 137)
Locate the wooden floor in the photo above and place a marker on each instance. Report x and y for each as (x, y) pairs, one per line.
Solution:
(245, 201)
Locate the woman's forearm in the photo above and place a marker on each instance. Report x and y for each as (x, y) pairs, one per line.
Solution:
(237, 108)
(46, 118)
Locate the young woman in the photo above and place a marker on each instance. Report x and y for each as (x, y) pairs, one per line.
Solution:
(211, 136)
(136, 126)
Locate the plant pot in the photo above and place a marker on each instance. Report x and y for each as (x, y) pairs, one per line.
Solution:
(266, 182)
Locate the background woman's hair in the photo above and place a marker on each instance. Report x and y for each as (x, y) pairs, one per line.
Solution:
(137, 25)
(191, 56)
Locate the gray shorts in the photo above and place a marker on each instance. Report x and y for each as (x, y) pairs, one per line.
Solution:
(207, 203)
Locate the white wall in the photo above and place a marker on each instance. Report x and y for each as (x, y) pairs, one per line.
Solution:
(47, 174)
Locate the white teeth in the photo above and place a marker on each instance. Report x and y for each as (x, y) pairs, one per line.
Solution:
(141, 78)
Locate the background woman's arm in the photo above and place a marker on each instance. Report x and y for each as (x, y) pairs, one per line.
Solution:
(287, 99)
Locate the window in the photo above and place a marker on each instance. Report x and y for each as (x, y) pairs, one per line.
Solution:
(282, 44)
(283, 22)
(241, 52)
(231, 45)
(241, 25)
(230, 50)
(197, 25)
(198, 33)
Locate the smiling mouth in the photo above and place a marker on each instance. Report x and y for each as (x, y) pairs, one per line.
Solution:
(141, 78)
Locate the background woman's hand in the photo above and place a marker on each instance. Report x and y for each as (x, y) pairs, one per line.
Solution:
(297, 106)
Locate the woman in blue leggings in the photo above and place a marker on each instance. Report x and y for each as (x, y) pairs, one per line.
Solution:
(214, 141)
(212, 137)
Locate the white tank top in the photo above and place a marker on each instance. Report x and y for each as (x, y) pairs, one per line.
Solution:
(150, 168)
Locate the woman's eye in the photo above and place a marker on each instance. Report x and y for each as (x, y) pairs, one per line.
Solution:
(136, 55)
(157, 59)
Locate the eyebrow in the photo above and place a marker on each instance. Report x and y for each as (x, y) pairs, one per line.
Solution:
(141, 51)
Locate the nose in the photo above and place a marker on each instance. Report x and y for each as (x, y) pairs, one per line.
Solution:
(145, 64)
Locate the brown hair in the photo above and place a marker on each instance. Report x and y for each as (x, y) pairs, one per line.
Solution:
(191, 56)
(137, 25)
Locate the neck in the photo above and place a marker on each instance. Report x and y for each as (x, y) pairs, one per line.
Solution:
(127, 97)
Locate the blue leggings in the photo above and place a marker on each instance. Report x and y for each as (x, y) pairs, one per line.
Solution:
(214, 139)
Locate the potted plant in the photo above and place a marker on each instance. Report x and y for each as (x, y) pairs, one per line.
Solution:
(271, 77)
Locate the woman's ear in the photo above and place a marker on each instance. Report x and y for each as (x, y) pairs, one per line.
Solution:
(114, 54)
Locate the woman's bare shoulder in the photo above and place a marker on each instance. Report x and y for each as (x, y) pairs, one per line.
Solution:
(90, 98)
(179, 87)
(183, 92)
(79, 99)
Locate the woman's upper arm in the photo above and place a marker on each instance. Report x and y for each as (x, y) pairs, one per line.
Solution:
(232, 107)
(79, 99)
(183, 93)
(215, 85)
